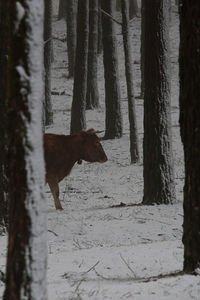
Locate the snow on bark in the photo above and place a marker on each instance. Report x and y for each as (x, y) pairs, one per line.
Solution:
(20, 12)
(36, 254)
(29, 90)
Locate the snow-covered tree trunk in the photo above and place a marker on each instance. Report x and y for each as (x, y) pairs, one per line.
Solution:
(157, 146)
(26, 258)
(189, 71)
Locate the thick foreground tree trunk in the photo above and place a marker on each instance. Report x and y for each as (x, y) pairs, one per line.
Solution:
(26, 258)
(3, 115)
(157, 146)
(189, 58)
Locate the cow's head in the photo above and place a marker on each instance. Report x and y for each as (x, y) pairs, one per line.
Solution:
(91, 148)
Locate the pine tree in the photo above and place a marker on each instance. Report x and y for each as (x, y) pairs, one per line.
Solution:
(3, 113)
(157, 146)
(78, 121)
(62, 9)
(71, 16)
(92, 96)
(26, 257)
(47, 61)
(111, 74)
(129, 79)
(133, 8)
(189, 71)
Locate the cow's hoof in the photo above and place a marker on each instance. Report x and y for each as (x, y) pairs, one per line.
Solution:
(59, 208)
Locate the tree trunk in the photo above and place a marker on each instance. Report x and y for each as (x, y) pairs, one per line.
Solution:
(71, 15)
(129, 79)
(26, 258)
(157, 146)
(3, 115)
(62, 9)
(142, 49)
(47, 61)
(118, 5)
(100, 45)
(112, 88)
(189, 71)
(78, 121)
(133, 8)
(92, 96)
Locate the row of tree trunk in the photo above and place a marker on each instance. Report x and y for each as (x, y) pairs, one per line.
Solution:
(133, 8)
(85, 93)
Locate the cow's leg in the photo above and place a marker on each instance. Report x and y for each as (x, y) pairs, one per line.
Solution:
(53, 184)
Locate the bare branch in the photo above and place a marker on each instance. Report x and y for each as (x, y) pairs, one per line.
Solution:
(92, 268)
(144, 279)
(128, 266)
(109, 16)
(45, 42)
(53, 232)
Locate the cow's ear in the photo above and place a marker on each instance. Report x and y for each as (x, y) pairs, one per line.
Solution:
(91, 131)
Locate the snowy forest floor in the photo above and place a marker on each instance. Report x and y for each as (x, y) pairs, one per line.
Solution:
(99, 248)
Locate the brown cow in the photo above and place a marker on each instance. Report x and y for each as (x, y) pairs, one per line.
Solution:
(63, 151)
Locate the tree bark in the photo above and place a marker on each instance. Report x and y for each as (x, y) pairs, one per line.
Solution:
(47, 61)
(62, 9)
(133, 8)
(92, 96)
(118, 5)
(142, 49)
(129, 80)
(157, 145)
(71, 15)
(26, 257)
(100, 45)
(78, 121)
(3, 115)
(189, 72)
(113, 120)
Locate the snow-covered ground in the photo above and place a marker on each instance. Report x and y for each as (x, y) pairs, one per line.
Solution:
(98, 249)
